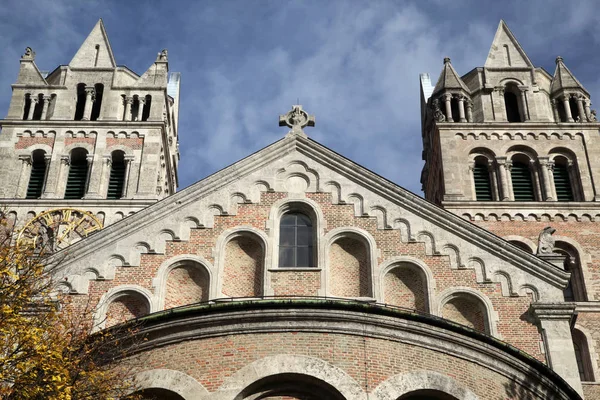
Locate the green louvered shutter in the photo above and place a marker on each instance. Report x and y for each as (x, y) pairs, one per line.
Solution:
(483, 187)
(562, 183)
(116, 182)
(36, 180)
(521, 181)
(77, 179)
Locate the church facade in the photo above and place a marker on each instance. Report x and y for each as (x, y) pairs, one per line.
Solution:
(296, 273)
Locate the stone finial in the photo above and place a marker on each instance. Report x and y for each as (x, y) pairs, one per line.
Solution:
(446, 60)
(162, 56)
(296, 119)
(546, 242)
(29, 54)
(559, 59)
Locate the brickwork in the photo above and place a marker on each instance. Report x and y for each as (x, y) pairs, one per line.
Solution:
(132, 143)
(349, 268)
(126, 307)
(25, 142)
(367, 360)
(77, 140)
(186, 285)
(405, 286)
(296, 283)
(244, 266)
(465, 310)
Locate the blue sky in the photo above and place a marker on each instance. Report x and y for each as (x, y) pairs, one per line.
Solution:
(355, 64)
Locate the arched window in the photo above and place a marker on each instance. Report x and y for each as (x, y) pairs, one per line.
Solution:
(562, 180)
(78, 171)
(481, 177)
(582, 356)
(511, 103)
(38, 175)
(426, 394)
(295, 240)
(574, 109)
(80, 106)
(99, 91)
(454, 108)
(135, 108)
(39, 105)
(146, 110)
(116, 182)
(575, 290)
(522, 181)
(26, 106)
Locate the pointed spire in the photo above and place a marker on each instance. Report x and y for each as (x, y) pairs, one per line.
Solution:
(449, 79)
(95, 50)
(506, 50)
(29, 74)
(564, 79)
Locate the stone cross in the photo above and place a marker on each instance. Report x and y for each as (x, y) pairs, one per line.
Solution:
(297, 119)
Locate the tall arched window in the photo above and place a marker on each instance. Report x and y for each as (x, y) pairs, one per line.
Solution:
(511, 103)
(78, 172)
(116, 182)
(99, 91)
(481, 178)
(135, 108)
(574, 109)
(38, 175)
(295, 240)
(575, 290)
(582, 356)
(522, 181)
(80, 106)
(26, 106)
(146, 110)
(562, 180)
(455, 109)
(39, 105)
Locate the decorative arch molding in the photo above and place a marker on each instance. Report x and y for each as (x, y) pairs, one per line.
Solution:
(116, 147)
(524, 240)
(175, 381)
(392, 263)
(83, 145)
(289, 364)
(36, 146)
(159, 283)
(350, 232)
(221, 243)
(491, 317)
(113, 294)
(401, 384)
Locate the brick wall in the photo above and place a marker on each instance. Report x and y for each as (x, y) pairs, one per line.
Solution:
(349, 268)
(186, 285)
(405, 286)
(243, 267)
(24, 142)
(467, 311)
(126, 307)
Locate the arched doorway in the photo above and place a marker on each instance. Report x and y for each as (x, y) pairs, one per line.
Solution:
(427, 394)
(290, 387)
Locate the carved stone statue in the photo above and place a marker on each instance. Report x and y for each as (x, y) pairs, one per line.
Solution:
(546, 241)
(438, 115)
(593, 115)
(162, 56)
(29, 53)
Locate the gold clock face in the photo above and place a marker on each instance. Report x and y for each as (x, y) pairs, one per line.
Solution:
(53, 230)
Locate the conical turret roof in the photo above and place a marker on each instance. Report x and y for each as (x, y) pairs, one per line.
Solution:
(564, 79)
(449, 79)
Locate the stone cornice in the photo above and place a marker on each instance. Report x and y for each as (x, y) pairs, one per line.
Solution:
(79, 203)
(546, 311)
(82, 124)
(328, 316)
(587, 307)
(388, 190)
(512, 126)
(523, 205)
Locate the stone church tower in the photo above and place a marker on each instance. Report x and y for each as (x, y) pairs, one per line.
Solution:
(514, 149)
(90, 135)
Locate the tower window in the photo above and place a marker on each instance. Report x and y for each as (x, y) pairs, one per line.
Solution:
(116, 182)
(146, 110)
(135, 108)
(562, 182)
(99, 91)
(560, 107)
(80, 106)
(295, 241)
(454, 108)
(574, 109)
(77, 180)
(511, 102)
(26, 106)
(582, 356)
(39, 105)
(38, 175)
(522, 182)
(483, 184)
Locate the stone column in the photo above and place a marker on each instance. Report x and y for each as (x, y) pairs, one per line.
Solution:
(469, 110)
(26, 162)
(524, 108)
(105, 176)
(499, 107)
(128, 103)
(582, 115)
(565, 100)
(511, 192)
(555, 110)
(128, 162)
(461, 108)
(535, 176)
(34, 101)
(46, 100)
(447, 100)
(574, 179)
(547, 184)
(554, 322)
(65, 162)
(89, 99)
(90, 163)
(586, 105)
(493, 180)
(47, 160)
(141, 102)
(504, 178)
